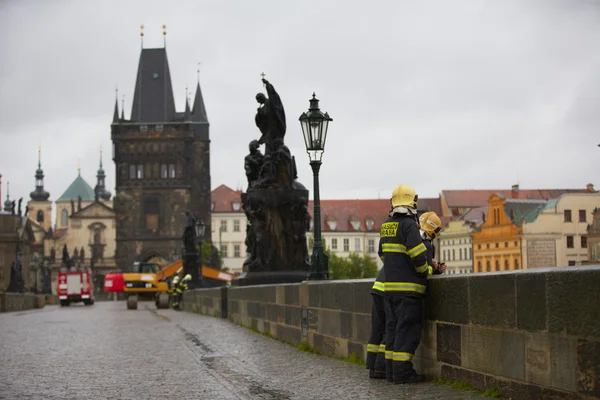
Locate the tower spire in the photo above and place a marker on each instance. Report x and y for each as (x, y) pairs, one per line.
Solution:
(165, 35)
(7, 203)
(142, 36)
(187, 114)
(116, 113)
(39, 194)
(123, 107)
(100, 189)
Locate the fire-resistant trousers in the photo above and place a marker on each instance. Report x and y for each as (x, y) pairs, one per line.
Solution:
(404, 322)
(376, 346)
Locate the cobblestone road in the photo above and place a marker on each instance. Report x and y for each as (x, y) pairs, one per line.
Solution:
(107, 352)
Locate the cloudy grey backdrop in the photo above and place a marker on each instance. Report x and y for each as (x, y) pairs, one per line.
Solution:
(436, 94)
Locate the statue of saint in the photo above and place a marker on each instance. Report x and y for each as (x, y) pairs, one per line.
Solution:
(270, 117)
(253, 163)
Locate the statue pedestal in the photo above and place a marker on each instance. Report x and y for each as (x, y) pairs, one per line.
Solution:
(276, 238)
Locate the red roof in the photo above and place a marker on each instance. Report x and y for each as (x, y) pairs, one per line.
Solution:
(59, 233)
(478, 198)
(223, 198)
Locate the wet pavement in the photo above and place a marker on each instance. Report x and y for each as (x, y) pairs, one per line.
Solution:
(108, 352)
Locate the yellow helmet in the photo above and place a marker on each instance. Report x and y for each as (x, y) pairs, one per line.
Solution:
(187, 277)
(404, 195)
(176, 279)
(430, 223)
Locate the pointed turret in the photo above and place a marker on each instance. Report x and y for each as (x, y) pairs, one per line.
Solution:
(7, 203)
(39, 194)
(199, 111)
(100, 189)
(116, 114)
(187, 115)
(153, 100)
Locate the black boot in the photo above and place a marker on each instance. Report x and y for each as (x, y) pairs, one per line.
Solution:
(374, 374)
(389, 370)
(409, 378)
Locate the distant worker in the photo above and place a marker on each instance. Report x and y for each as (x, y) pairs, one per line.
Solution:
(431, 226)
(174, 283)
(406, 269)
(179, 289)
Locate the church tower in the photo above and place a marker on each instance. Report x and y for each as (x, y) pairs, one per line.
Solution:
(162, 165)
(40, 208)
(101, 194)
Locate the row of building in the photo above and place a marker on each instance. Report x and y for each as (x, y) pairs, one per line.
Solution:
(484, 230)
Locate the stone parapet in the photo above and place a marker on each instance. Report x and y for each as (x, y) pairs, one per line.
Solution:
(532, 334)
(10, 302)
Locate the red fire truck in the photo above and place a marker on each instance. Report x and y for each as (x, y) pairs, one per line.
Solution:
(75, 286)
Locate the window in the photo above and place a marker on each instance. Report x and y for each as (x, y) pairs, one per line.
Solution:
(224, 250)
(497, 265)
(236, 206)
(571, 263)
(478, 247)
(487, 246)
(236, 225)
(64, 217)
(516, 264)
(569, 242)
(144, 128)
(332, 225)
(516, 243)
(506, 266)
(223, 225)
(453, 243)
(334, 244)
(582, 216)
(478, 266)
(140, 171)
(159, 128)
(151, 212)
(470, 254)
(505, 244)
(357, 244)
(171, 171)
(132, 172)
(370, 224)
(163, 171)
(567, 215)
(443, 255)
(236, 250)
(355, 225)
(40, 216)
(460, 254)
(583, 242)
(371, 246)
(487, 266)
(453, 255)
(346, 244)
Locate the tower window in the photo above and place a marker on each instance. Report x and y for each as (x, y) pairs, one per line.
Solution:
(151, 211)
(163, 171)
(40, 216)
(132, 172)
(171, 171)
(64, 218)
(140, 171)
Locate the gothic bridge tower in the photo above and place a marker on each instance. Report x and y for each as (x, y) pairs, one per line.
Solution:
(162, 165)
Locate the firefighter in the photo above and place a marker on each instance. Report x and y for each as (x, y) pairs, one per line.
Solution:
(431, 226)
(406, 269)
(174, 283)
(376, 345)
(180, 288)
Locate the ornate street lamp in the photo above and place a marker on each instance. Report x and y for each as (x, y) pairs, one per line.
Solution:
(200, 227)
(314, 128)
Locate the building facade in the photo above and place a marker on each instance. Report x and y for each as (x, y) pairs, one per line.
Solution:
(593, 238)
(455, 247)
(162, 164)
(498, 244)
(557, 234)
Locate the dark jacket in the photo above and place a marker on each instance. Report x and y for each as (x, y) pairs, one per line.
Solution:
(430, 256)
(379, 285)
(404, 256)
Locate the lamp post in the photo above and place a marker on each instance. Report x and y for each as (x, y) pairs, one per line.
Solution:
(314, 129)
(199, 228)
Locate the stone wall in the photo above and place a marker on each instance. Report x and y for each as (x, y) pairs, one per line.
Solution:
(211, 302)
(10, 302)
(532, 334)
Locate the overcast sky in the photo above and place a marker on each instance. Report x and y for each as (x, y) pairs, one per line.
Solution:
(436, 94)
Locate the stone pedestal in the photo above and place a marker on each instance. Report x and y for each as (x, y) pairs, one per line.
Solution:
(276, 236)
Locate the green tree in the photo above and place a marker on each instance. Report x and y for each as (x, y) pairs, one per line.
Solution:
(355, 266)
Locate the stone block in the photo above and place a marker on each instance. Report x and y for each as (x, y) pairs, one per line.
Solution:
(324, 344)
(266, 327)
(493, 351)
(531, 302)
(552, 394)
(341, 348)
(303, 294)
(314, 294)
(448, 299)
(362, 328)
(292, 294)
(357, 348)
(361, 297)
(346, 323)
(492, 300)
(428, 346)
(514, 390)
(313, 319)
(427, 366)
(280, 295)
(329, 323)
(449, 343)
(573, 299)
(289, 334)
(449, 373)
(588, 363)
(254, 323)
(551, 361)
(233, 306)
(293, 316)
(271, 312)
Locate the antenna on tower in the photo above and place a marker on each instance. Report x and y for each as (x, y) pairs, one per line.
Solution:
(142, 35)
(123, 107)
(165, 35)
(198, 73)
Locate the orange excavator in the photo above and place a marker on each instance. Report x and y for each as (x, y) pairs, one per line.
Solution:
(151, 281)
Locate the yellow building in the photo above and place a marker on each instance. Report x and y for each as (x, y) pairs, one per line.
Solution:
(556, 234)
(497, 245)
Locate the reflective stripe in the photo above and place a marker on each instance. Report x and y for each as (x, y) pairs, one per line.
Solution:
(404, 287)
(393, 248)
(373, 348)
(430, 269)
(389, 354)
(381, 257)
(422, 268)
(382, 348)
(418, 249)
(379, 286)
(401, 356)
